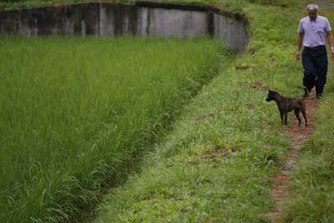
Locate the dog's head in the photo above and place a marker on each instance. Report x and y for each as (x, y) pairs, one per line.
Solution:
(271, 95)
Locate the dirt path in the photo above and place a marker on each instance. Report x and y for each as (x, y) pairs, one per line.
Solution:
(298, 135)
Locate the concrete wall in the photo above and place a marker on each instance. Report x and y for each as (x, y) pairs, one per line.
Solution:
(231, 31)
(140, 18)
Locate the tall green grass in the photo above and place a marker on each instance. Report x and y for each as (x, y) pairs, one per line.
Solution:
(231, 4)
(312, 194)
(219, 163)
(75, 111)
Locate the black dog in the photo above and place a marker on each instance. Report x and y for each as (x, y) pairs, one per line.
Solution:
(286, 105)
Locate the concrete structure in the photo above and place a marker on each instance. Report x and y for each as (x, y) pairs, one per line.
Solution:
(140, 18)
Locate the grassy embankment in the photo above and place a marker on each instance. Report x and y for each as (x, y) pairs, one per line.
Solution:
(75, 111)
(218, 163)
(312, 196)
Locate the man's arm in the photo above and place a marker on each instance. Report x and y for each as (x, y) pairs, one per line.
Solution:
(299, 45)
(330, 42)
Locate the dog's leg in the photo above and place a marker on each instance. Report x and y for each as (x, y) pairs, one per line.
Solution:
(281, 114)
(297, 111)
(286, 118)
(304, 115)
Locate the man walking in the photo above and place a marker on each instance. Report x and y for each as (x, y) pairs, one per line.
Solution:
(313, 31)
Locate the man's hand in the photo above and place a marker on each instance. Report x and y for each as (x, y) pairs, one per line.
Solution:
(298, 55)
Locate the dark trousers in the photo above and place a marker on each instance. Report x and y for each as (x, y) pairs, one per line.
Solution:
(315, 63)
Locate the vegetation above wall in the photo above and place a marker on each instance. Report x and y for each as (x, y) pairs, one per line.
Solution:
(232, 5)
(215, 162)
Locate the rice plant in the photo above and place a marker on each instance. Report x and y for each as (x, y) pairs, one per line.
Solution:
(74, 111)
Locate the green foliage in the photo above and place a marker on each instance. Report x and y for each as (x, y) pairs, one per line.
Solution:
(218, 159)
(74, 111)
(312, 194)
(284, 3)
(227, 4)
(216, 164)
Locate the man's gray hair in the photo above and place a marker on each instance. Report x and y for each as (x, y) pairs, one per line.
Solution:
(312, 7)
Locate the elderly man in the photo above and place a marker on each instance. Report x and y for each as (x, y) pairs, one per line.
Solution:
(313, 31)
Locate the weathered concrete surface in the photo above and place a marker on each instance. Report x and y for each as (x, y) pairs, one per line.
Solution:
(141, 18)
(172, 22)
(231, 31)
(61, 20)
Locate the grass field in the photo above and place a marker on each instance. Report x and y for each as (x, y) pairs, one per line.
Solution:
(218, 163)
(74, 111)
(217, 158)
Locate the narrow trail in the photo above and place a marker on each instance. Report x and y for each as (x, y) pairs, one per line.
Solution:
(298, 135)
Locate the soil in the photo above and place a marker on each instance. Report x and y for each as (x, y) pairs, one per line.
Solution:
(280, 189)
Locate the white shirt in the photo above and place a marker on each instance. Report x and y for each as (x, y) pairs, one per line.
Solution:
(314, 31)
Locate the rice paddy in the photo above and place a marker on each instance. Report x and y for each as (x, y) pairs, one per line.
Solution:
(75, 111)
